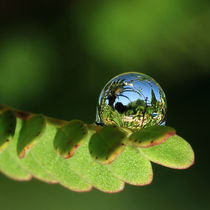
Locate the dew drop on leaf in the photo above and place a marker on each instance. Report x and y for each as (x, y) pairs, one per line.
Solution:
(132, 100)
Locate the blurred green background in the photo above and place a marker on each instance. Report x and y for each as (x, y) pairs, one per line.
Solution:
(55, 57)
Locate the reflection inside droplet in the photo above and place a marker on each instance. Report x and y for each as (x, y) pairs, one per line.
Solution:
(154, 114)
(132, 100)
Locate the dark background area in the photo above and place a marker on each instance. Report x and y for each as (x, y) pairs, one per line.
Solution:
(56, 57)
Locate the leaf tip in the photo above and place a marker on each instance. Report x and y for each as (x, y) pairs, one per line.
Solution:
(151, 136)
(69, 137)
(107, 144)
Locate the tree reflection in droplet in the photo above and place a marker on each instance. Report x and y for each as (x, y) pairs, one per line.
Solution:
(132, 100)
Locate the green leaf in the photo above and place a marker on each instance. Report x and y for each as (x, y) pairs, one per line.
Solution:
(48, 142)
(151, 136)
(11, 166)
(28, 164)
(93, 172)
(69, 137)
(132, 167)
(7, 128)
(36, 170)
(174, 153)
(54, 164)
(30, 133)
(106, 144)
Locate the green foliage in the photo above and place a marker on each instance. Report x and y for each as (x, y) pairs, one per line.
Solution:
(80, 156)
(132, 167)
(69, 138)
(54, 164)
(10, 164)
(98, 175)
(30, 133)
(7, 128)
(174, 153)
(151, 136)
(106, 144)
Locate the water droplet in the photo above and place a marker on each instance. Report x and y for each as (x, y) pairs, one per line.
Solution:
(132, 100)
